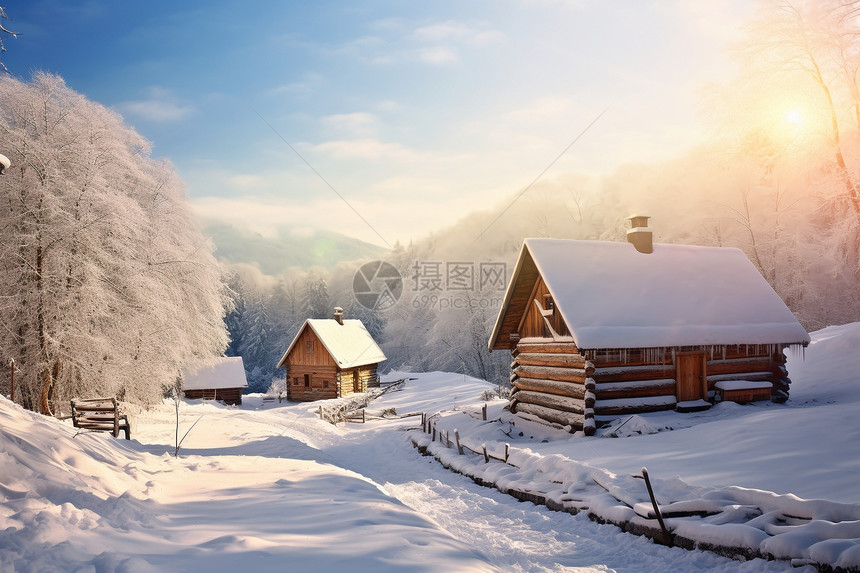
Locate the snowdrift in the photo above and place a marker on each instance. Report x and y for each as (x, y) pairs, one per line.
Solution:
(85, 501)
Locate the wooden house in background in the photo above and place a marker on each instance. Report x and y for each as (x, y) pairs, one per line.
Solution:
(219, 379)
(601, 329)
(330, 358)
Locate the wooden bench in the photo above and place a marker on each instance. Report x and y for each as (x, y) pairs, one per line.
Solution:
(100, 414)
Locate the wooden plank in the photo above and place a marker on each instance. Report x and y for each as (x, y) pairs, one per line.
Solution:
(551, 359)
(745, 395)
(632, 373)
(95, 408)
(620, 408)
(564, 418)
(84, 425)
(555, 373)
(563, 403)
(636, 389)
(751, 376)
(756, 364)
(570, 389)
(551, 347)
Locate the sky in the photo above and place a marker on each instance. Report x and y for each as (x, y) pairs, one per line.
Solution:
(385, 120)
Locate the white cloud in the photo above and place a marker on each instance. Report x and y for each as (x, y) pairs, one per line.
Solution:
(438, 43)
(358, 123)
(438, 55)
(307, 85)
(457, 32)
(444, 39)
(441, 32)
(246, 182)
(161, 106)
(389, 105)
(544, 109)
(368, 149)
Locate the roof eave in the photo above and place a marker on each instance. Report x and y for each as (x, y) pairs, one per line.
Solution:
(508, 294)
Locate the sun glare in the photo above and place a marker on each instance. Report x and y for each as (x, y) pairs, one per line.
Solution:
(794, 117)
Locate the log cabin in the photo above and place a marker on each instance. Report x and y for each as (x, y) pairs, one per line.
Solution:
(330, 358)
(219, 379)
(599, 330)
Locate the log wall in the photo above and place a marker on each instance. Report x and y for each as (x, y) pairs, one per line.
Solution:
(326, 382)
(230, 396)
(555, 382)
(322, 382)
(551, 382)
(346, 380)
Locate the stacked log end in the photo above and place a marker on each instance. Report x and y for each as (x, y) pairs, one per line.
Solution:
(549, 383)
(590, 397)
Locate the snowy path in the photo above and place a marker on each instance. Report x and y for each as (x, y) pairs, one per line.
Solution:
(511, 535)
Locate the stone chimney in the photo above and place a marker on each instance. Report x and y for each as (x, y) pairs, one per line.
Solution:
(640, 234)
(338, 314)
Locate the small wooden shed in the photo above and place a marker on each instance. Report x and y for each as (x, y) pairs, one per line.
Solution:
(330, 358)
(601, 329)
(218, 379)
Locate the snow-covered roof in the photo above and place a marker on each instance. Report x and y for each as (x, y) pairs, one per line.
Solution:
(349, 344)
(227, 372)
(612, 296)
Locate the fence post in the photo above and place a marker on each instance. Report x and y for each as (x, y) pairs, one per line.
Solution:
(457, 439)
(12, 382)
(424, 422)
(484, 412)
(507, 452)
(667, 537)
(486, 455)
(434, 432)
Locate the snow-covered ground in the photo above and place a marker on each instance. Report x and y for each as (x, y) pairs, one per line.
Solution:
(269, 486)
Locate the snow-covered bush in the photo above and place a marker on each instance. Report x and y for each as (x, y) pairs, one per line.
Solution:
(278, 387)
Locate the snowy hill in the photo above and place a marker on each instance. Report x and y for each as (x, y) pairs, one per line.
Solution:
(268, 483)
(274, 255)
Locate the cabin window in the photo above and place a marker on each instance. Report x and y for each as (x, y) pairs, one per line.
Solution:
(307, 380)
(309, 346)
(548, 303)
(295, 381)
(325, 383)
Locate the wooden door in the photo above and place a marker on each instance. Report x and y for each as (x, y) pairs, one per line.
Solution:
(356, 387)
(690, 382)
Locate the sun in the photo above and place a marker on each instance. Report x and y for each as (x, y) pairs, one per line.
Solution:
(794, 117)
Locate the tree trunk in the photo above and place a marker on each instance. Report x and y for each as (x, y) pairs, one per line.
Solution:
(46, 395)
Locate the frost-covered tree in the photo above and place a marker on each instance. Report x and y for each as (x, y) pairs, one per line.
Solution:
(4, 31)
(108, 285)
(316, 300)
